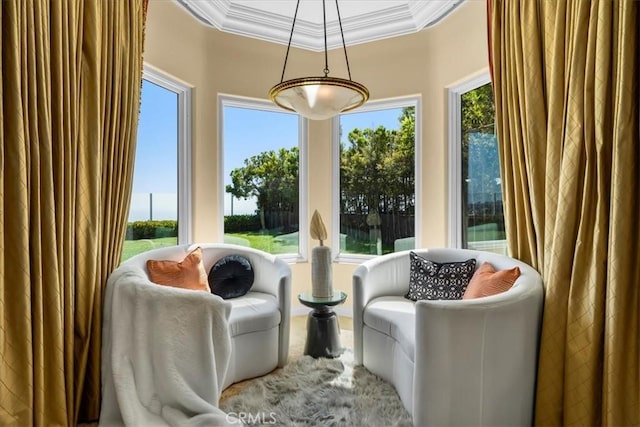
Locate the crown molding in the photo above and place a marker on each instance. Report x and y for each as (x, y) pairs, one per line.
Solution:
(429, 13)
(259, 23)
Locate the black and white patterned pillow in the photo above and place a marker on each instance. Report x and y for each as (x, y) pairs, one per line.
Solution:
(433, 280)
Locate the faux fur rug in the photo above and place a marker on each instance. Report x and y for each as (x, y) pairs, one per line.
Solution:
(319, 392)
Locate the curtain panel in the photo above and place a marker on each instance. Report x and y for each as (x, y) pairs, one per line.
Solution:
(71, 78)
(565, 76)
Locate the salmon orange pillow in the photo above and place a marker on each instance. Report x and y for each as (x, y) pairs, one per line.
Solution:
(487, 281)
(187, 274)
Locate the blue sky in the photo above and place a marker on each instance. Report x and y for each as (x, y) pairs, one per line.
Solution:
(156, 164)
(249, 132)
(369, 119)
(246, 133)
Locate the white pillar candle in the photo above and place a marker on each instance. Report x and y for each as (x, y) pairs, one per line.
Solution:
(321, 286)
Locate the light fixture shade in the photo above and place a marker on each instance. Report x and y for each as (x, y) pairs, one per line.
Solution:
(319, 98)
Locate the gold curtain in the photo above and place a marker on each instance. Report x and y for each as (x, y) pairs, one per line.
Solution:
(565, 77)
(71, 77)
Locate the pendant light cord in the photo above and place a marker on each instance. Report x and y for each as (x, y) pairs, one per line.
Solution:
(326, 57)
(344, 45)
(295, 15)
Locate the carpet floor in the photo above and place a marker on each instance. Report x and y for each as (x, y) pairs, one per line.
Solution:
(317, 392)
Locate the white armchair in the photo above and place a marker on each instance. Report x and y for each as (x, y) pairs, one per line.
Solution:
(460, 362)
(169, 352)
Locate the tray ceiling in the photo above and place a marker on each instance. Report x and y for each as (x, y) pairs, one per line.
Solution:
(362, 21)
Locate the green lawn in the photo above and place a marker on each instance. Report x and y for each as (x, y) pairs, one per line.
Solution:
(483, 232)
(288, 243)
(134, 247)
(272, 243)
(275, 244)
(360, 247)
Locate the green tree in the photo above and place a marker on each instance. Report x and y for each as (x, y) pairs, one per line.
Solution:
(399, 164)
(271, 177)
(377, 168)
(478, 111)
(376, 173)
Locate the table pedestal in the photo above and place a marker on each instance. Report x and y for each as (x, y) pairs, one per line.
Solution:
(323, 333)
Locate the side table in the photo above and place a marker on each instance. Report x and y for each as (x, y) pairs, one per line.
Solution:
(323, 331)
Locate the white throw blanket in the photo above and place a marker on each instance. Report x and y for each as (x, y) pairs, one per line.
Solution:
(165, 354)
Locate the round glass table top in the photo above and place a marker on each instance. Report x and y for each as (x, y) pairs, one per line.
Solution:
(309, 300)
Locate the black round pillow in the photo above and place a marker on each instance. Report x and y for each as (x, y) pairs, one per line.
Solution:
(231, 276)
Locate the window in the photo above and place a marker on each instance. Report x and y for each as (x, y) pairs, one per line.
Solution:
(476, 193)
(376, 151)
(158, 214)
(263, 167)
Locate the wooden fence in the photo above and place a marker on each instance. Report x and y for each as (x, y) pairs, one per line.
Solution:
(285, 221)
(392, 226)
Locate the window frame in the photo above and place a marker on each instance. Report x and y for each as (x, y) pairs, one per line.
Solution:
(381, 104)
(184, 148)
(455, 153)
(226, 100)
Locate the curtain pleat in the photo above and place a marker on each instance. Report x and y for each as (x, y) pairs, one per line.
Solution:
(566, 90)
(71, 78)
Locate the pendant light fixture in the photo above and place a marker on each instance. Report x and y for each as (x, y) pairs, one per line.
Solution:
(319, 98)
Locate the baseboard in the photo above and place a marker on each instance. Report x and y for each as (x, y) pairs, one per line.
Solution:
(343, 310)
(300, 310)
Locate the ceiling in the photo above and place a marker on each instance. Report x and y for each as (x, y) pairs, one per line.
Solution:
(362, 20)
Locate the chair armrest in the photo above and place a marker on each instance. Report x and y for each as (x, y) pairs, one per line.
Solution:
(273, 276)
(386, 275)
(283, 294)
(483, 351)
